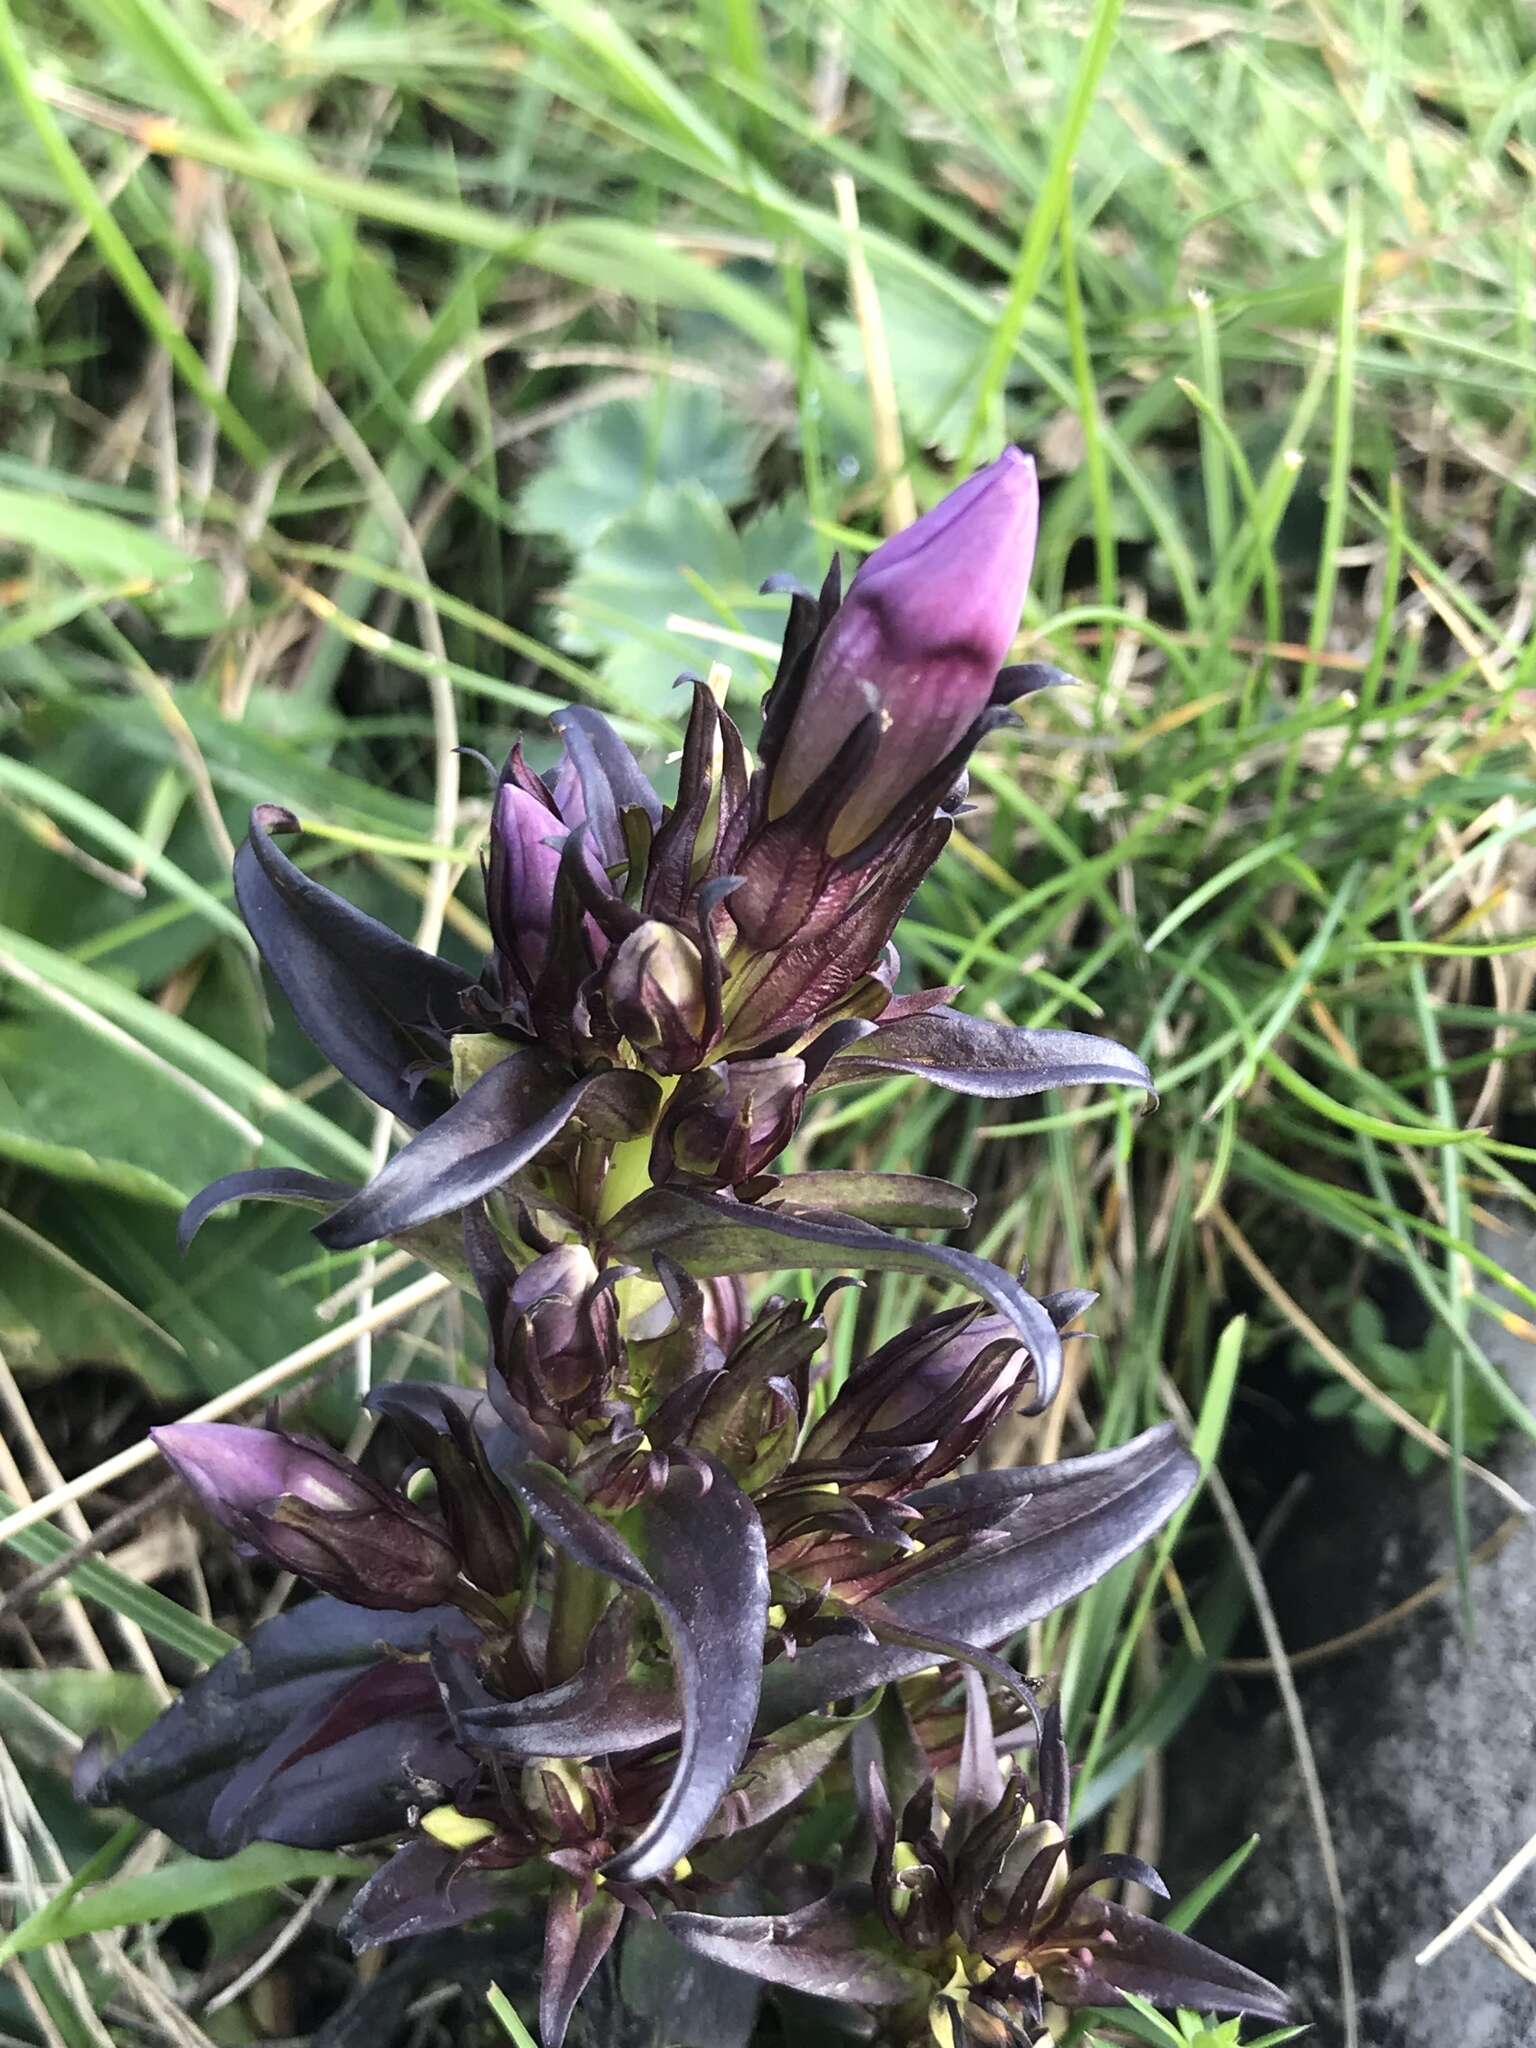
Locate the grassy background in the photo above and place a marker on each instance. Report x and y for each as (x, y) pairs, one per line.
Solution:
(377, 375)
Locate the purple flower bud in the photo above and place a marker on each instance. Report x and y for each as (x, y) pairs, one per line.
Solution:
(725, 1310)
(526, 838)
(656, 996)
(570, 798)
(926, 625)
(726, 1122)
(237, 1470)
(939, 1384)
(553, 1293)
(931, 1374)
(315, 1513)
(568, 1350)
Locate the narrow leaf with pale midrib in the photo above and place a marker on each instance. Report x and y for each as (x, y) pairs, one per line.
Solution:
(711, 1236)
(975, 1057)
(704, 1564)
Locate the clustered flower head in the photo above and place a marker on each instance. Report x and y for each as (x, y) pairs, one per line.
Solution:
(647, 1595)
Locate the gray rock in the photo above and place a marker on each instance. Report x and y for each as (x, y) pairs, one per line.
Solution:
(1424, 1744)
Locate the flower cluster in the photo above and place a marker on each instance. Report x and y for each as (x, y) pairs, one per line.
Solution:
(973, 1919)
(645, 1596)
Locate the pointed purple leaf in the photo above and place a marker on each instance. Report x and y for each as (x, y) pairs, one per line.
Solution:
(597, 1712)
(827, 1949)
(427, 1403)
(1010, 1487)
(1023, 678)
(576, 1938)
(353, 1766)
(579, 1724)
(225, 1719)
(377, 1007)
(420, 1890)
(1116, 1867)
(975, 1057)
(1159, 1965)
(260, 1184)
(492, 1132)
(709, 1560)
(939, 1646)
(438, 1244)
(710, 1235)
(706, 1570)
(1057, 1537)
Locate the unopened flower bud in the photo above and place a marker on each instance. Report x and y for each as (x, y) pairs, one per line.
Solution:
(727, 1122)
(937, 1383)
(526, 838)
(725, 1310)
(928, 1375)
(553, 1292)
(926, 625)
(314, 1513)
(565, 788)
(570, 1348)
(656, 996)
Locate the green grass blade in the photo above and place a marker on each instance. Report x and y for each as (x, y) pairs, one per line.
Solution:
(189, 1884)
(94, 1579)
(1054, 199)
(117, 251)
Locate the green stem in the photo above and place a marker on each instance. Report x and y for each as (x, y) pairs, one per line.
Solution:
(629, 1167)
(628, 1175)
(576, 1607)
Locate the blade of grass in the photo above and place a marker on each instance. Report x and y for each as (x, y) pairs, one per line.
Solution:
(1188, 1910)
(1054, 198)
(188, 1884)
(117, 251)
(511, 2020)
(94, 1579)
(1337, 504)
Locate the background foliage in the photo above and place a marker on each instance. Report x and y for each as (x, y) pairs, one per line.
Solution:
(378, 375)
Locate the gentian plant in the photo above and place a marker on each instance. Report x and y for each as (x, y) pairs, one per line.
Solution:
(647, 1603)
